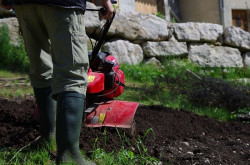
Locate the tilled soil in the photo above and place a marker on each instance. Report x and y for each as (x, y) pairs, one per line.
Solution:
(177, 136)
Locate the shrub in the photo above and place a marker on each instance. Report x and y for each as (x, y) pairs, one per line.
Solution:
(12, 57)
(209, 91)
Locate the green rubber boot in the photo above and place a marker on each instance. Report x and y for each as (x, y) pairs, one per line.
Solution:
(47, 112)
(70, 107)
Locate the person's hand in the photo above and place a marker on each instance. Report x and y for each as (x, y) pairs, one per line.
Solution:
(109, 7)
(5, 7)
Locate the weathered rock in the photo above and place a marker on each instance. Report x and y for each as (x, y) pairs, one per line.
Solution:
(215, 56)
(197, 32)
(237, 37)
(138, 27)
(153, 33)
(13, 28)
(124, 51)
(164, 48)
(171, 36)
(152, 61)
(246, 57)
(91, 19)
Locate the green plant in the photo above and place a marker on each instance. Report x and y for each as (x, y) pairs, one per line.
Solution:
(95, 145)
(160, 15)
(173, 20)
(105, 137)
(126, 157)
(116, 7)
(124, 139)
(12, 57)
(147, 132)
(14, 157)
(143, 152)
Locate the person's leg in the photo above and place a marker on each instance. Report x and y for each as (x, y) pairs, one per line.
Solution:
(37, 46)
(70, 59)
(68, 48)
(68, 126)
(47, 112)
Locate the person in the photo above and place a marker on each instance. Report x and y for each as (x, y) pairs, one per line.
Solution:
(55, 41)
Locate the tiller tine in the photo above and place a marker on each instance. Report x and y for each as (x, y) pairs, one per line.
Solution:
(112, 113)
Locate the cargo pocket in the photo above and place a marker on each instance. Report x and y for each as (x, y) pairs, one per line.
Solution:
(79, 48)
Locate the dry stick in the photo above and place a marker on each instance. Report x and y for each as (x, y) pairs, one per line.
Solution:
(14, 85)
(194, 74)
(13, 79)
(24, 148)
(197, 77)
(5, 85)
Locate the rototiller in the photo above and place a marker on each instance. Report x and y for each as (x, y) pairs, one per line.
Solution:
(106, 81)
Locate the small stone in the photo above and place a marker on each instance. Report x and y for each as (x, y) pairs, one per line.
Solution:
(225, 70)
(207, 161)
(217, 44)
(153, 61)
(186, 143)
(190, 153)
(157, 163)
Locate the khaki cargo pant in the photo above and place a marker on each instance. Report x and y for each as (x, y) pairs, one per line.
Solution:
(56, 43)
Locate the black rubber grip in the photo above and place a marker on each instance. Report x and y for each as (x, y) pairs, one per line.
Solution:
(103, 11)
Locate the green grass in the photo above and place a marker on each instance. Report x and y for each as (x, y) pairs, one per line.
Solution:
(13, 90)
(16, 92)
(175, 102)
(123, 157)
(11, 74)
(149, 85)
(99, 156)
(32, 157)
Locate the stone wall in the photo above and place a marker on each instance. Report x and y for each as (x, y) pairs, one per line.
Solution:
(135, 37)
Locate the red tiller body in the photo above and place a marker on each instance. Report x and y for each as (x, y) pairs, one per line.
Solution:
(104, 85)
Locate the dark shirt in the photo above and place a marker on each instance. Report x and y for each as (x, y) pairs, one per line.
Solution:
(81, 4)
